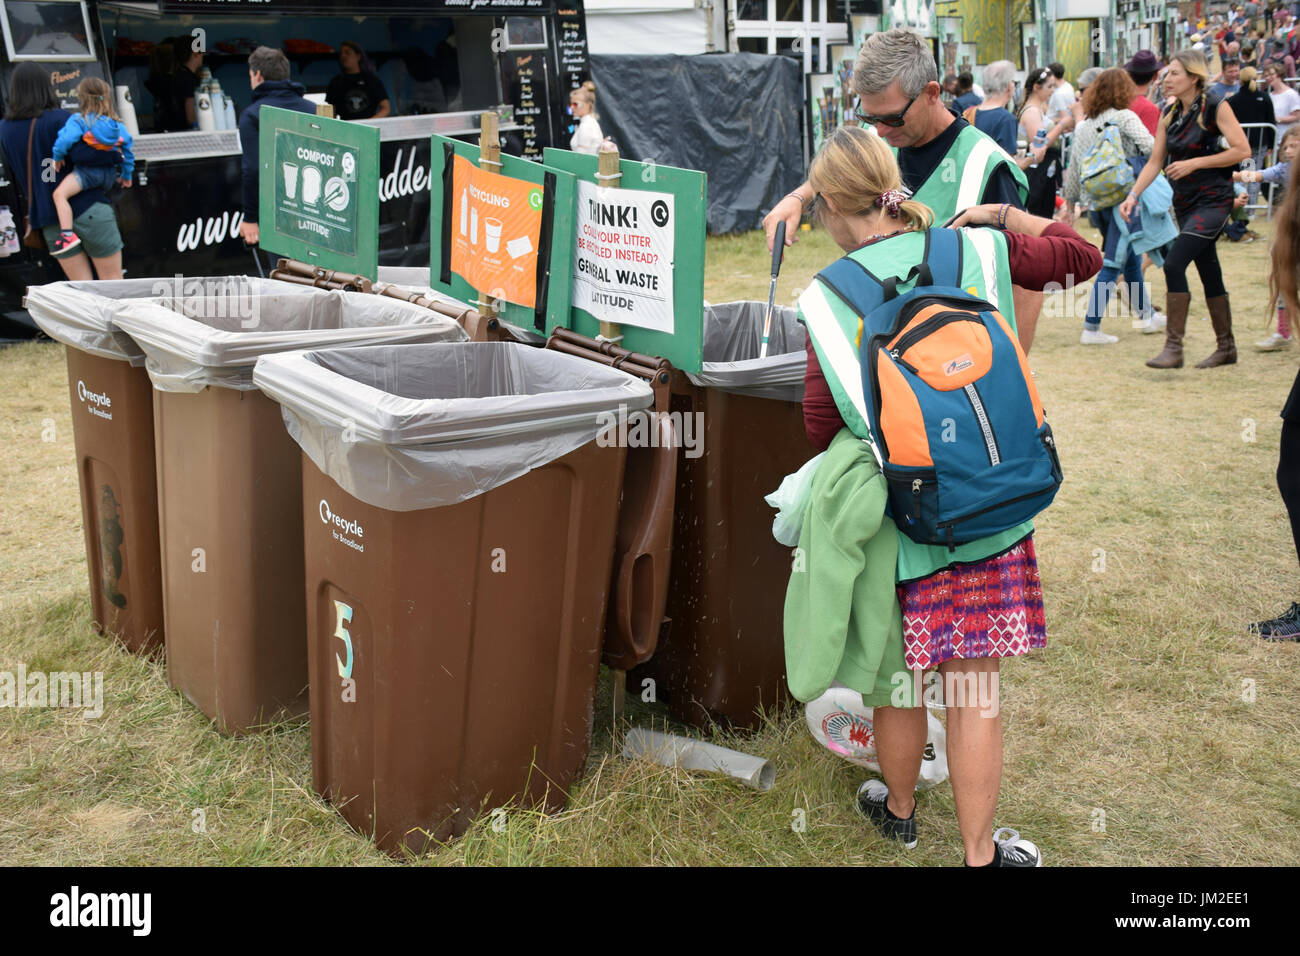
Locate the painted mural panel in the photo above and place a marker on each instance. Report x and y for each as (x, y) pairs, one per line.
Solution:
(986, 27)
(1073, 46)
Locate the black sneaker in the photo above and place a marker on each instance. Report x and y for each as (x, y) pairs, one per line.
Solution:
(871, 802)
(1015, 851)
(1285, 627)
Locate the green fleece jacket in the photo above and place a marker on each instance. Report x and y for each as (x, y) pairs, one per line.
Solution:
(842, 620)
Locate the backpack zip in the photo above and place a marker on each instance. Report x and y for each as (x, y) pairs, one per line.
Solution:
(986, 427)
(1001, 504)
(928, 327)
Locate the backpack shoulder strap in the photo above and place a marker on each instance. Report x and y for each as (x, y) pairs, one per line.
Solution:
(854, 283)
(944, 256)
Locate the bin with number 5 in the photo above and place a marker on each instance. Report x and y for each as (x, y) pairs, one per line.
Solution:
(458, 550)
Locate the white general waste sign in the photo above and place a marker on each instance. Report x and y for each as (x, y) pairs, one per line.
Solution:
(623, 265)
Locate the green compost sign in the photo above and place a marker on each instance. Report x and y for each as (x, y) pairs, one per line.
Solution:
(318, 190)
(639, 256)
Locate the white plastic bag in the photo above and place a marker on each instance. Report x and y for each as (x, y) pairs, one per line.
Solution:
(733, 334)
(791, 502)
(408, 427)
(840, 722)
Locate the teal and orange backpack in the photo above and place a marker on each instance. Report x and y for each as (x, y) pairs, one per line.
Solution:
(951, 405)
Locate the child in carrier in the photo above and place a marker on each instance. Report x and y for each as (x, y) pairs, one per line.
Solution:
(97, 125)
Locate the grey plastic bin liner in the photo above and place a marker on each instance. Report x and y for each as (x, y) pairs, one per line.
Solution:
(416, 278)
(190, 344)
(411, 426)
(79, 314)
(733, 335)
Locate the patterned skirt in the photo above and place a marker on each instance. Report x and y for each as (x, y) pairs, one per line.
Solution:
(992, 608)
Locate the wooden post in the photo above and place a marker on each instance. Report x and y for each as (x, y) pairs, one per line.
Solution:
(325, 109)
(607, 165)
(489, 158)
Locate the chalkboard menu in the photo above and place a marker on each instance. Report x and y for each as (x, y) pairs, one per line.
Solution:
(526, 80)
(573, 45)
(66, 77)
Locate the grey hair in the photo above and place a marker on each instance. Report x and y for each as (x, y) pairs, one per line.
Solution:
(270, 62)
(894, 55)
(998, 76)
(1088, 77)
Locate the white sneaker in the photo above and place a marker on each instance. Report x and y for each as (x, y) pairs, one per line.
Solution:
(1015, 851)
(1090, 337)
(1155, 323)
(1274, 343)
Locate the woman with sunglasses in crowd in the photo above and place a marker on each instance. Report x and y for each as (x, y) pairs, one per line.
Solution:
(1043, 165)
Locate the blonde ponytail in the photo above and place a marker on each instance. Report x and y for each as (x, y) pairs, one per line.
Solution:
(854, 168)
(916, 215)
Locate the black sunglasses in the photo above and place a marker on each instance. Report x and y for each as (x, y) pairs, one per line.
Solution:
(892, 119)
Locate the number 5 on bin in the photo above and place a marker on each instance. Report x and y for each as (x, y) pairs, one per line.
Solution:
(344, 616)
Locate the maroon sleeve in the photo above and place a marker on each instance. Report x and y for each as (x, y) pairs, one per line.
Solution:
(1059, 255)
(821, 416)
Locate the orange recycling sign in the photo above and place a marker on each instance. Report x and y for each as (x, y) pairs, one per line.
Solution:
(496, 227)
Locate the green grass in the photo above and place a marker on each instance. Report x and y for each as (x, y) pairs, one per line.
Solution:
(1134, 709)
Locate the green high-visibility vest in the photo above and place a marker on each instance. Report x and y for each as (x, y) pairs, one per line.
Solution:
(835, 328)
(958, 182)
(834, 325)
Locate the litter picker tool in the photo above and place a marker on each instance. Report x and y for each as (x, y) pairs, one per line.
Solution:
(778, 248)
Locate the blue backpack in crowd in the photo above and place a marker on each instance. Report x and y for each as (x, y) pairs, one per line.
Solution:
(952, 408)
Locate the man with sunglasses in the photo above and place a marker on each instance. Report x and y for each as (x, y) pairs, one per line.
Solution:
(945, 162)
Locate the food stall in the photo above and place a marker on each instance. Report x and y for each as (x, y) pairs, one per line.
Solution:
(442, 63)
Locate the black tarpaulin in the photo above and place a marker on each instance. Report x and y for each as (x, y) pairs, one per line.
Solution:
(736, 116)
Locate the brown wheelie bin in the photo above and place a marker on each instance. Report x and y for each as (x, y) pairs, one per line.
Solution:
(113, 431)
(643, 545)
(229, 485)
(721, 652)
(458, 548)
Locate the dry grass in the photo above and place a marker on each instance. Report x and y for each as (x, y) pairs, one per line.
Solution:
(1135, 708)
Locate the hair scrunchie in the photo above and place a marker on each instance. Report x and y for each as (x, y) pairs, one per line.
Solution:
(890, 199)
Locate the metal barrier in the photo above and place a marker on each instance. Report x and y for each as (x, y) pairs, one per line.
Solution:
(1270, 157)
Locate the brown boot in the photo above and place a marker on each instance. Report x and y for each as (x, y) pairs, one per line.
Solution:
(1176, 306)
(1225, 350)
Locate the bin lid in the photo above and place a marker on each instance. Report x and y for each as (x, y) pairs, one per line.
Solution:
(407, 427)
(79, 314)
(194, 342)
